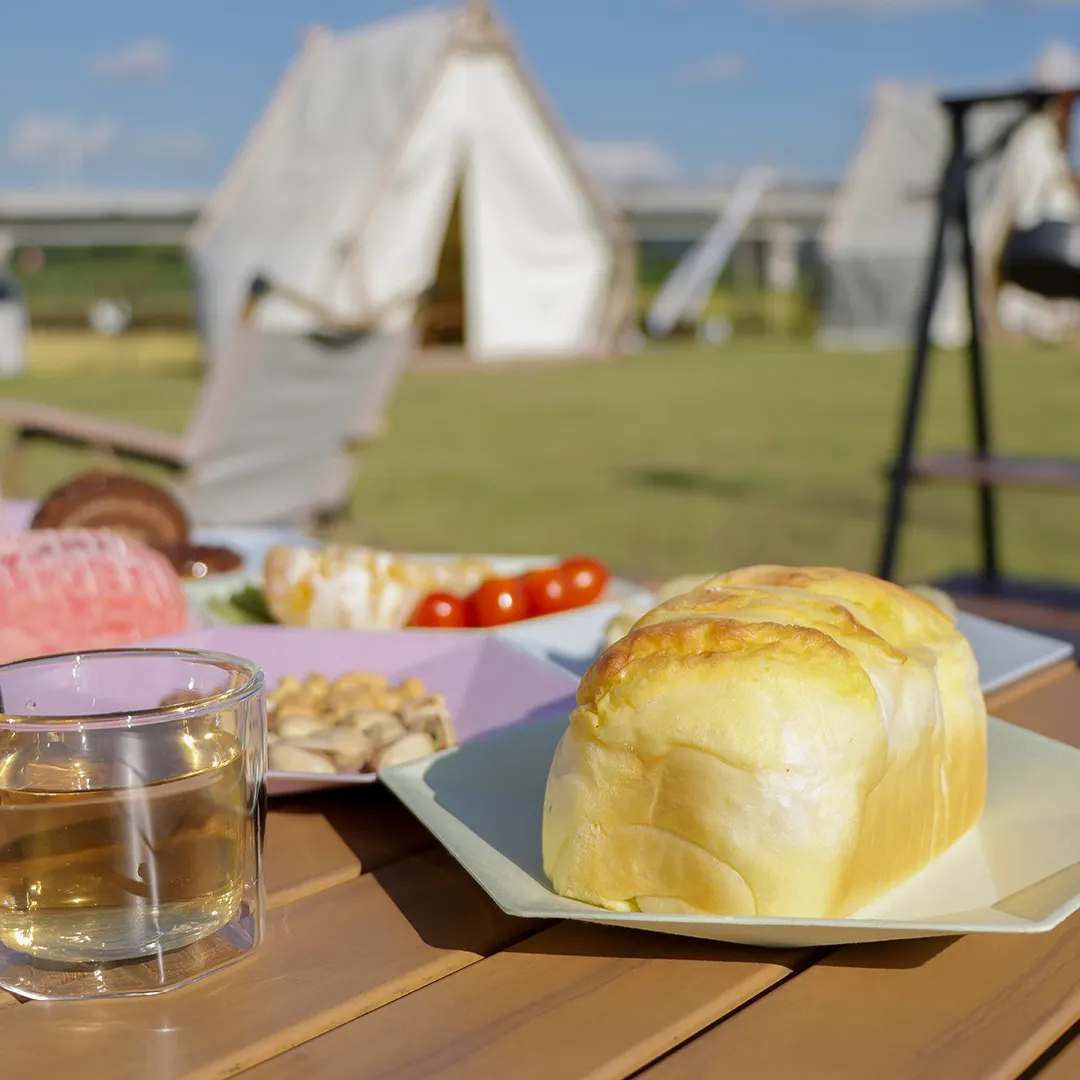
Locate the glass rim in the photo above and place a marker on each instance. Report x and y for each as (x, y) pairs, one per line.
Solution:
(228, 662)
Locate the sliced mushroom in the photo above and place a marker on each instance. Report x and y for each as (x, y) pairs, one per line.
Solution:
(317, 688)
(360, 680)
(343, 702)
(380, 726)
(389, 700)
(287, 686)
(349, 746)
(294, 725)
(416, 744)
(412, 689)
(287, 757)
(431, 716)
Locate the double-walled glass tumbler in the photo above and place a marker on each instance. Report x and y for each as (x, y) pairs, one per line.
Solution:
(132, 800)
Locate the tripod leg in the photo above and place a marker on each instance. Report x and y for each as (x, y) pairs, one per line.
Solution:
(977, 370)
(900, 473)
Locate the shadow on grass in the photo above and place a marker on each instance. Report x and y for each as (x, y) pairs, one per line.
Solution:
(689, 481)
(834, 501)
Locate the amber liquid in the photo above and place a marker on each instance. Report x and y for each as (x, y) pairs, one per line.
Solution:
(100, 873)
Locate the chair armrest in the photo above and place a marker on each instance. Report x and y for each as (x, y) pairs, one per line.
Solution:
(33, 421)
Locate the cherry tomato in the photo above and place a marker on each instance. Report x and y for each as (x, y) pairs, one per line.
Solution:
(586, 579)
(442, 610)
(498, 601)
(546, 591)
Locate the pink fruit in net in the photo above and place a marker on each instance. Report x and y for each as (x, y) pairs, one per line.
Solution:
(69, 590)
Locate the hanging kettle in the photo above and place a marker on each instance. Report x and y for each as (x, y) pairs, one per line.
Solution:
(1045, 260)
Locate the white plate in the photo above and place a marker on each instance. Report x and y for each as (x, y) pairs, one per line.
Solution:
(1007, 654)
(222, 586)
(574, 640)
(1017, 872)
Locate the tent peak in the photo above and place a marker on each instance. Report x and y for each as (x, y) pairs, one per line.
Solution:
(312, 33)
(481, 25)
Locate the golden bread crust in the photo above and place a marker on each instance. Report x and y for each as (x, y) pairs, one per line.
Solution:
(785, 741)
(696, 640)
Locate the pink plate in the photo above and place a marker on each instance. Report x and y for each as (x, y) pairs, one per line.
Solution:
(488, 684)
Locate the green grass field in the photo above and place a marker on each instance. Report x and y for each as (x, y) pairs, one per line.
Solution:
(679, 459)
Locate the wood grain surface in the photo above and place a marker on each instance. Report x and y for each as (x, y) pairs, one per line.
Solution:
(999, 699)
(985, 1005)
(320, 841)
(982, 1006)
(383, 958)
(303, 854)
(326, 959)
(574, 1001)
(1065, 1064)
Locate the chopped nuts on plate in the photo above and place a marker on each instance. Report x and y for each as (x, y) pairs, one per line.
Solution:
(357, 723)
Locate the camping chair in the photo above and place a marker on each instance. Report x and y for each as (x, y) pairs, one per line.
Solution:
(274, 435)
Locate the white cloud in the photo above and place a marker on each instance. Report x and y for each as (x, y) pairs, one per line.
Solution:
(621, 163)
(861, 8)
(61, 147)
(720, 67)
(141, 61)
(56, 141)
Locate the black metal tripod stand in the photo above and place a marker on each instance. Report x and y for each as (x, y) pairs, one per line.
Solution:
(954, 211)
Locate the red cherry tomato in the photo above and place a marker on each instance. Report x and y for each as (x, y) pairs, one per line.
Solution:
(442, 610)
(586, 579)
(498, 601)
(546, 591)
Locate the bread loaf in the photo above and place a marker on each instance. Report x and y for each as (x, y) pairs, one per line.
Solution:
(789, 742)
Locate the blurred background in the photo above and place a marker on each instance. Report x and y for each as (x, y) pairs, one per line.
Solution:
(662, 258)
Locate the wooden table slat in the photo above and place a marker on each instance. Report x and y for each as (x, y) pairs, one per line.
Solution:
(327, 959)
(303, 855)
(985, 1005)
(1016, 691)
(574, 1001)
(957, 1008)
(6, 999)
(325, 840)
(1065, 1063)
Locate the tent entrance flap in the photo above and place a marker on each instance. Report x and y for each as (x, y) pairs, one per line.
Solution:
(443, 312)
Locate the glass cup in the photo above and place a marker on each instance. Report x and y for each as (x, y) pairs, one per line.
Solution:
(132, 802)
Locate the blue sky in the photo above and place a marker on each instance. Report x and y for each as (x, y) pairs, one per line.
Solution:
(125, 93)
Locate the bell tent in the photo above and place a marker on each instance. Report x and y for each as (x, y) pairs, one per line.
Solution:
(879, 230)
(411, 170)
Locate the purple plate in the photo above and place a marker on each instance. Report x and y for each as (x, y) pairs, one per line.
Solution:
(488, 684)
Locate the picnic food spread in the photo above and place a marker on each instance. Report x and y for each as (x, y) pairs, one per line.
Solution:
(125, 504)
(355, 723)
(342, 586)
(136, 509)
(789, 742)
(71, 590)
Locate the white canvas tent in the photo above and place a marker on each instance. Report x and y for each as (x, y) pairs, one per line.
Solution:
(878, 234)
(345, 190)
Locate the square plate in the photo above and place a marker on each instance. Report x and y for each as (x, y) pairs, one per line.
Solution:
(1017, 871)
(488, 684)
(575, 639)
(1007, 654)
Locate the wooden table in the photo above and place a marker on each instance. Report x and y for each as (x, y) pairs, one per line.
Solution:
(383, 959)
